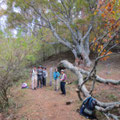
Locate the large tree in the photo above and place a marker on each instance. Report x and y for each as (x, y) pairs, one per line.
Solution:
(102, 47)
(70, 21)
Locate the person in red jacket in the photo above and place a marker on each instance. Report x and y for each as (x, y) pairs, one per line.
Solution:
(63, 78)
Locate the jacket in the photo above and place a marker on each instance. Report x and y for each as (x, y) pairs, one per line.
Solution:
(56, 75)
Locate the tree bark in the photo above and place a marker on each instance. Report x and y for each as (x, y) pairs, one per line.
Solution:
(101, 80)
(86, 58)
(74, 53)
(85, 55)
(101, 106)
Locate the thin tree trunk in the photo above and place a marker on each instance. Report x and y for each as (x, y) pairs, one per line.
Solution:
(86, 45)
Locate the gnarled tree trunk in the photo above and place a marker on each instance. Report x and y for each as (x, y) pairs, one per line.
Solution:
(82, 54)
(103, 107)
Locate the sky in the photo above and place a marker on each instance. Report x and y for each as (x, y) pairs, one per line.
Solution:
(3, 19)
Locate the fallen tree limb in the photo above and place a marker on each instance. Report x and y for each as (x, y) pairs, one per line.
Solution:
(100, 79)
(101, 106)
(114, 116)
(75, 70)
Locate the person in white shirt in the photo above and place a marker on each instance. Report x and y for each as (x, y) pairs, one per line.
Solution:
(34, 78)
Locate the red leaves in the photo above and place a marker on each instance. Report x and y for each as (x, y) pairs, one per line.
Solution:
(106, 57)
(98, 48)
(109, 11)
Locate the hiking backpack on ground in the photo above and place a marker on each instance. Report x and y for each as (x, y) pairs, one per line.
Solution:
(87, 108)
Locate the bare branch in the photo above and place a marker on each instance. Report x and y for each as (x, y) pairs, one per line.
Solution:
(101, 80)
(61, 40)
(101, 105)
(74, 36)
(39, 13)
(111, 39)
(64, 6)
(93, 85)
(106, 116)
(62, 12)
(114, 116)
(88, 32)
(41, 25)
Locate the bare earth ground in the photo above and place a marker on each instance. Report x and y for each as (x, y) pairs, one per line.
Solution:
(46, 104)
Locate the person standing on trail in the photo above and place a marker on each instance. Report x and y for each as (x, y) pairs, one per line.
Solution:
(40, 77)
(63, 78)
(34, 78)
(45, 74)
(51, 76)
(56, 75)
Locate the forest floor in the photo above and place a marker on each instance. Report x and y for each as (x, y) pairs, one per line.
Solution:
(47, 104)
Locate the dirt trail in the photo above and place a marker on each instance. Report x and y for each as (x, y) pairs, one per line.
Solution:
(45, 104)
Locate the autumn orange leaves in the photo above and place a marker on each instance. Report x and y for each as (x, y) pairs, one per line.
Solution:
(109, 10)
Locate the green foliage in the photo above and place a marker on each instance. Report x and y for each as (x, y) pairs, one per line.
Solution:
(27, 13)
(31, 58)
(80, 3)
(14, 54)
(17, 53)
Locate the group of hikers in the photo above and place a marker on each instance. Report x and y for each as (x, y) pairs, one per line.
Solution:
(39, 77)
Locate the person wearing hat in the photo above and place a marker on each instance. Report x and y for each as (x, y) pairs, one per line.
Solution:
(40, 77)
(63, 78)
(45, 74)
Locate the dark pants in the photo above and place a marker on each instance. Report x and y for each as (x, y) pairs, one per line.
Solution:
(44, 81)
(62, 86)
(40, 81)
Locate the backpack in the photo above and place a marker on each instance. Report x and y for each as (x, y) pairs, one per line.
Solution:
(87, 108)
(24, 85)
(40, 72)
(44, 74)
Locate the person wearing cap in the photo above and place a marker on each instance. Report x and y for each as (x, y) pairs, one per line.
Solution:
(63, 78)
(45, 74)
(40, 77)
(56, 75)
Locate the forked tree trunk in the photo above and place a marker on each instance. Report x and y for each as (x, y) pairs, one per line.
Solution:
(81, 48)
(86, 58)
(80, 52)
